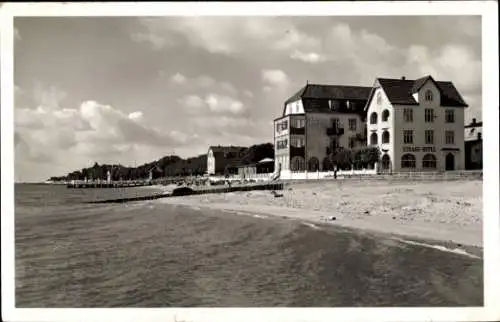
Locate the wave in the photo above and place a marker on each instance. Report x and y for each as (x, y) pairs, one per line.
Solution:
(313, 226)
(458, 251)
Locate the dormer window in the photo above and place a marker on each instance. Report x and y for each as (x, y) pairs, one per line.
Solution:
(428, 96)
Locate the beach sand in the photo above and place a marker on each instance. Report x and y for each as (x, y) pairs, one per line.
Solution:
(448, 211)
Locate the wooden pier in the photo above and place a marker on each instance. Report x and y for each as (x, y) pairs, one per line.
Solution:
(123, 184)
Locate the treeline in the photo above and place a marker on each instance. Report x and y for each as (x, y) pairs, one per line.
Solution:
(168, 166)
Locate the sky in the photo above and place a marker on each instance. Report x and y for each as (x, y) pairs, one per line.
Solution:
(132, 90)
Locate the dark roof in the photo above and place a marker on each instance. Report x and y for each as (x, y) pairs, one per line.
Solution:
(400, 91)
(331, 92)
(237, 163)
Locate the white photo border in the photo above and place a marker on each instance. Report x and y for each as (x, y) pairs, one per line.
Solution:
(487, 9)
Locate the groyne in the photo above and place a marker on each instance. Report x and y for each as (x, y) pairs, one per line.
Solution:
(186, 191)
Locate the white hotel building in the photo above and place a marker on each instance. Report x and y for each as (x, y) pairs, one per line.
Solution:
(417, 124)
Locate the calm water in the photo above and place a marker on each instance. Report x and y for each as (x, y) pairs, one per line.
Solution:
(70, 254)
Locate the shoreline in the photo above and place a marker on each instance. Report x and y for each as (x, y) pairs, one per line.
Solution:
(441, 216)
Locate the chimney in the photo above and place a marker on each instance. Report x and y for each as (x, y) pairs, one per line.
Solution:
(473, 121)
(403, 78)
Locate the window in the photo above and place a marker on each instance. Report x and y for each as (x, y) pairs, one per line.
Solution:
(408, 161)
(284, 125)
(352, 124)
(429, 137)
(449, 116)
(297, 142)
(408, 136)
(429, 161)
(428, 95)
(298, 163)
(352, 142)
(379, 98)
(373, 118)
(385, 137)
(373, 139)
(408, 115)
(282, 144)
(385, 115)
(449, 137)
(298, 123)
(429, 115)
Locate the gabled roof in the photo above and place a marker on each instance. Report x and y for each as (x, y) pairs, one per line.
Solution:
(339, 92)
(400, 91)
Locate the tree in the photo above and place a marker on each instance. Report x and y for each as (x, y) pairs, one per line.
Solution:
(360, 158)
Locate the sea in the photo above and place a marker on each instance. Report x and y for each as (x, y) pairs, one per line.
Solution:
(73, 254)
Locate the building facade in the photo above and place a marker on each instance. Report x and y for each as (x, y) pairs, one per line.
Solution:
(417, 124)
(473, 133)
(219, 157)
(317, 120)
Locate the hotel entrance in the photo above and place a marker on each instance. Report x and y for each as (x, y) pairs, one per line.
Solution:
(450, 162)
(386, 163)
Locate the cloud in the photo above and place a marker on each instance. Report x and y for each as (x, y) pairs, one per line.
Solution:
(275, 77)
(18, 91)
(136, 116)
(221, 103)
(192, 102)
(223, 35)
(202, 82)
(178, 79)
(248, 93)
(267, 89)
(212, 103)
(92, 131)
(17, 35)
(49, 97)
(310, 57)
(155, 41)
(451, 62)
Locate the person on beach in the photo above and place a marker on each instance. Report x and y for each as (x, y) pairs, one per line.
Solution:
(335, 169)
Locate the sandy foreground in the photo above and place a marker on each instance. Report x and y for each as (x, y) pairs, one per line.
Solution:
(442, 211)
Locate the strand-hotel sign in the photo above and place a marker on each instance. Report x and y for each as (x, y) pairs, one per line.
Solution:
(419, 149)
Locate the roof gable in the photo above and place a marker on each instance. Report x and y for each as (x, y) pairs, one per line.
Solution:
(400, 91)
(418, 83)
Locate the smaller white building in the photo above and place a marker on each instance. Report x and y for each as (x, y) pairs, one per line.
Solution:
(417, 124)
(474, 145)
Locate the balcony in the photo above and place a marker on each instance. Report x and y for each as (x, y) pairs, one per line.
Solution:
(295, 151)
(297, 130)
(334, 131)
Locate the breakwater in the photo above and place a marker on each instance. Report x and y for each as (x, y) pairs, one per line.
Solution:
(126, 184)
(186, 191)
